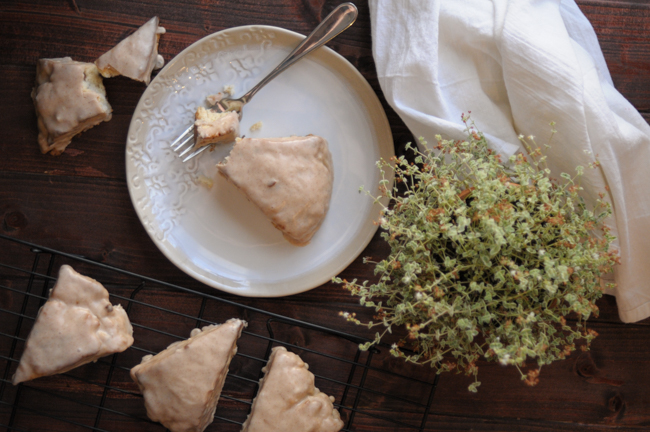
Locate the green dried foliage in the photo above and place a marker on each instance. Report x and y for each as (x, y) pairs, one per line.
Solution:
(487, 260)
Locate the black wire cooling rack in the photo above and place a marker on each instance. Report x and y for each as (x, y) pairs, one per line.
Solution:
(372, 391)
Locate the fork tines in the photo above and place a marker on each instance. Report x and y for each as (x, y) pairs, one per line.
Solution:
(184, 144)
(187, 137)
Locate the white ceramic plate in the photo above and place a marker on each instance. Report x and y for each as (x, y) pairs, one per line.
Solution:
(216, 235)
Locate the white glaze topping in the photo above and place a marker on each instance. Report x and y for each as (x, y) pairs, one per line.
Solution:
(288, 401)
(69, 98)
(289, 179)
(77, 325)
(182, 384)
(136, 56)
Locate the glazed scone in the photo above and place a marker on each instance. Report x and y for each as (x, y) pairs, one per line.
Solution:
(69, 98)
(76, 325)
(212, 127)
(288, 401)
(182, 384)
(289, 179)
(136, 56)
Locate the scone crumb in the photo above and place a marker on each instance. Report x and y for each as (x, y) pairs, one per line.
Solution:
(214, 98)
(229, 89)
(257, 126)
(207, 183)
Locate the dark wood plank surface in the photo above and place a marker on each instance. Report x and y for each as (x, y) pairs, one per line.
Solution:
(79, 203)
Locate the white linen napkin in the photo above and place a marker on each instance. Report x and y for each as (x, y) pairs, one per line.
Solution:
(518, 65)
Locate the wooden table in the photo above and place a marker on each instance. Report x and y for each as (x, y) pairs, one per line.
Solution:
(78, 203)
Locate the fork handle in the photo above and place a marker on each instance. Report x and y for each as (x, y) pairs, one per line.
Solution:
(338, 20)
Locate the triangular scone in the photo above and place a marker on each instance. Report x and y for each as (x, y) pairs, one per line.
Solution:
(182, 384)
(288, 401)
(75, 326)
(289, 179)
(69, 98)
(136, 56)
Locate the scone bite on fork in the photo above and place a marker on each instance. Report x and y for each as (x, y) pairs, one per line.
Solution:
(212, 127)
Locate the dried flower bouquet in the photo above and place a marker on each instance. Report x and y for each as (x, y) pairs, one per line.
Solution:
(487, 260)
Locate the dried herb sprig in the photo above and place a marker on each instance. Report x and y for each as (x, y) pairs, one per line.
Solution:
(487, 260)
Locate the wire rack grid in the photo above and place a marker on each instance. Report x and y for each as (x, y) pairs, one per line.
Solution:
(371, 391)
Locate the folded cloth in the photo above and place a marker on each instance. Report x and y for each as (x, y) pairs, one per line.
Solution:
(517, 66)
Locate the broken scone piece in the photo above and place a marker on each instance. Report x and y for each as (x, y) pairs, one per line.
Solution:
(182, 384)
(288, 401)
(289, 179)
(212, 127)
(69, 98)
(136, 56)
(76, 325)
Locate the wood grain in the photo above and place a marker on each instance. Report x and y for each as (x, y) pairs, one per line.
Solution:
(623, 29)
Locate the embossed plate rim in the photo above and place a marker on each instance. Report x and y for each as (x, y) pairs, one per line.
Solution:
(382, 143)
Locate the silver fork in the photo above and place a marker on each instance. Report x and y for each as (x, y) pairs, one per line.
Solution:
(337, 21)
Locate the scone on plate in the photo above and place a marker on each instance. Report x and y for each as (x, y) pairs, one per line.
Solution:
(69, 98)
(289, 179)
(182, 384)
(136, 56)
(76, 325)
(212, 127)
(289, 401)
